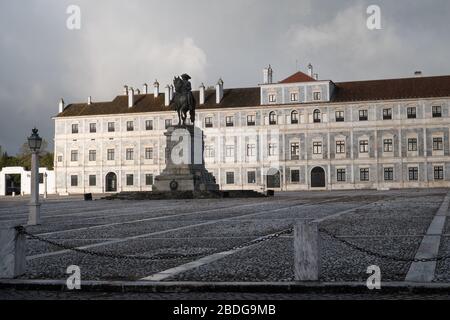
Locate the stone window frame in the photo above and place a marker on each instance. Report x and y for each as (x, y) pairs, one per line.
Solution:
(74, 155)
(366, 143)
(436, 111)
(109, 153)
(59, 158)
(339, 172)
(388, 173)
(317, 116)
(438, 142)
(231, 175)
(111, 128)
(386, 140)
(152, 178)
(74, 180)
(339, 119)
(388, 113)
(363, 117)
(366, 172)
(410, 115)
(295, 119)
(272, 97)
(317, 95)
(149, 150)
(229, 123)
(415, 172)
(92, 183)
(75, 128)
(129, 177)
(338, 140)
(273, 118)
(251, 119)
(291, 175)
(295, 94)
(438, 168)
(130, 125)
(295, 156)
(316, 145)
(410, 142)
(272, 149)
(93, 127)
(209, 151)
(92, 155)
(149, 124)
(129, 153)
(248, 177)
(248, 148)
(230, 147)
(209, 121)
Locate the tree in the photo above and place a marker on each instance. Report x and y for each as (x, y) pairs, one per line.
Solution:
(46, 157)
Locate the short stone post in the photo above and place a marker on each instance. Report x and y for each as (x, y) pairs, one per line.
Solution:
(12, 253)
(306, 251)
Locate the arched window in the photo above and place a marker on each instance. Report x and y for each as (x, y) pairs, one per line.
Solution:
(294, 117)
(272, 118)
(316, 116)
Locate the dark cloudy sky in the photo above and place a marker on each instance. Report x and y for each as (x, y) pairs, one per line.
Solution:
(136, 41)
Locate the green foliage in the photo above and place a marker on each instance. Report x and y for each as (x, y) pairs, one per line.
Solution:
(23, 158)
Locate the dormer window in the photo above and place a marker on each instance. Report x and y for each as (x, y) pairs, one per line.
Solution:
(294, 96)
(316, 116)
(317, 96)
(272, 118)
(272, 98)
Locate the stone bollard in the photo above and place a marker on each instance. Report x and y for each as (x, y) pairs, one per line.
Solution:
(306, 251)
(12, 253)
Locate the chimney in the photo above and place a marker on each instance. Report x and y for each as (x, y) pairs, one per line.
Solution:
(172, 91)
(316, 76)
(219, 91)
(310, 70)
(125, 90)
(418, 74)
(145, 87)
(167, 96)
(130, 97)
(268, 75)
(61, 105)
(156, 89)
(202, 93)
(89, 100)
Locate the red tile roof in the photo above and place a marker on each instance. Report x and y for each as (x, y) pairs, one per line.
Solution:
(298, 77)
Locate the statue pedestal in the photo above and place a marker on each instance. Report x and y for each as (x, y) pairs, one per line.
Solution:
(185, 168)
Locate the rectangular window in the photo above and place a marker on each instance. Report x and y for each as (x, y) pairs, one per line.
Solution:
(149, 125)
(230, 177)
(273, 149)
(340, 116)
(340, 147)
(387, 114)
(317, 96)
(75, 128)
(388, 174)
(295, 151)
(130, 179)
(110, 156)
(209, 152)
(129, 154)
(363, 115)
(294, 117)
(272, 98)
(208, 122)
(229, 122)
(364, 174)
(149, 179)
(294, 96)
(341, 175)
(412, 112)
(251, 177)
(130, 126)
(388, 146)
(317, 147)
(438, 144)
(439, 173)
(167, 123)
(251, 120)
(111, 127)
(295, 176)
(74, 155)
(412, 144)
(74, 181)
(92, 155)
(437, 111)
(60, 158)
(251, 150)
(41, 178)
(92, 127)
(92, 180)
(413, 174)
(148, 153)
(229, 151)
(364, 146)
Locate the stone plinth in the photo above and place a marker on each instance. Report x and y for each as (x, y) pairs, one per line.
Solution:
(12, 253)
(306, 251)
(185, 168)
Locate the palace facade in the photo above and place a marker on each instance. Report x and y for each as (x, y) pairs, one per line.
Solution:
(301, 133)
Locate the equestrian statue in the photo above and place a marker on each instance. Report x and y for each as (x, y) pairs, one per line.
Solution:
(183, 100)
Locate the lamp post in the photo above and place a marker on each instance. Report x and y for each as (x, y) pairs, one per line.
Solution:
(34, 142)
(45, 185)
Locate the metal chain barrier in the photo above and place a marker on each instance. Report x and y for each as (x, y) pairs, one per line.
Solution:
(380, 255)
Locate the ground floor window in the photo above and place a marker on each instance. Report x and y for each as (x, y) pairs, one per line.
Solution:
(341, 175)
(439, 173)
(130, 179)
(230, 177)
(251, 177)
(149, 179)
(364, 174)
(388, 174)
(413, 174)
(74, 181)
(92, 180)
(295, 176)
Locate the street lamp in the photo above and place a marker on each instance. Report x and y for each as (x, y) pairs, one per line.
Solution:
(34, 142)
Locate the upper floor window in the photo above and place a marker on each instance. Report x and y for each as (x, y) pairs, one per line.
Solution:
(295, 151)
(167, 123)
(273, 149)
(111, 127)
(317, 96)
(229, 121)
(110, 154)
(92, 155)
(148, 153)
(92, 127)
(208, 122)
(209, 152)
(294, 96)
(364, 146)
(363, 115)
(388, 146)
(317, 147)
(437, 111)
(229, 151)
(387, 114)
(294, 117)
(340, 147)
(272, 97)
(412, 144)
(412, 112)
(251, 150)
(74, 128)
(130, 126)
(272, 118)
(149, 125)
(438, 144)
(316, 116)
(340, 116)
(251, 120)
(129, 154)
(74, 155)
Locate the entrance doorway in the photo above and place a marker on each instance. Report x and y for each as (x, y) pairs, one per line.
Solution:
(318, 178)
(12, 184)
(273, 179)
(111, 182)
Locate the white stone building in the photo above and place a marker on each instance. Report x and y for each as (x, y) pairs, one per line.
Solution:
(301, 133)
(46, 181)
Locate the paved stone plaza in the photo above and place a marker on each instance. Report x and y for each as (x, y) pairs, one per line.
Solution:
(388, 222)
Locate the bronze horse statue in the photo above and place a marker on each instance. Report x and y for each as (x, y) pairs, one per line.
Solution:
(183, 100)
